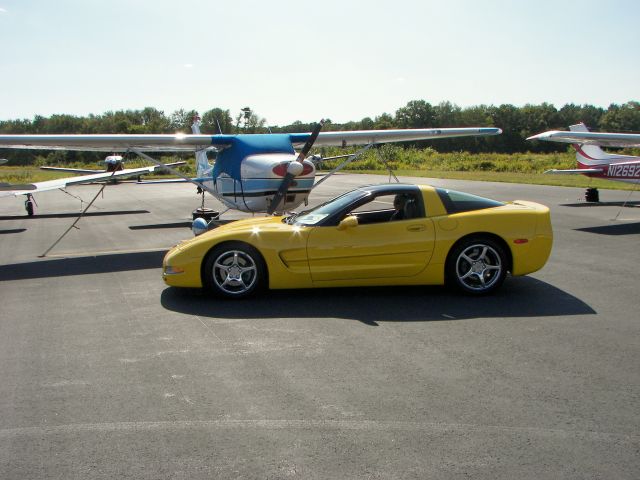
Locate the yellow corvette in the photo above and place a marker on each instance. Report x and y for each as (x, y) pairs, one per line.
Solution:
(391, 234)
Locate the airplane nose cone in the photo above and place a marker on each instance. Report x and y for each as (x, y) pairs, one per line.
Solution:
(295, 168)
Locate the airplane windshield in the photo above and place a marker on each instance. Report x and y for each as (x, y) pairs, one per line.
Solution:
(319, 213)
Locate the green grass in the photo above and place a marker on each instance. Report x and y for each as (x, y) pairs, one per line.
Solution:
(428, 159)
(27, 175)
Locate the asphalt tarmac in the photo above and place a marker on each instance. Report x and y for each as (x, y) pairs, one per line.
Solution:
(107, 373)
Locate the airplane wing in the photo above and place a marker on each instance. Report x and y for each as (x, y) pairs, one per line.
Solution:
(113, 143)
(7, 190)
(590, 138)
(365, 137)
(183, 142)
(171, 180)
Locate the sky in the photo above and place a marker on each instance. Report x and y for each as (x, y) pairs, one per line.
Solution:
(304, 60)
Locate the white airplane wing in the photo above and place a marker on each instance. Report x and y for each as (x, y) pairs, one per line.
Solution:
(183, 142)
(590, 138)
(365, 137)
(109, 143)
(7, 189)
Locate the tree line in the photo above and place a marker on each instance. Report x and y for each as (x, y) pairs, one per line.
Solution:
(517, 124)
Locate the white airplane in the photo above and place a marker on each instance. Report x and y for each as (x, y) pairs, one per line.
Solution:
(111, 162)
(252, 172)
(592, 160)
(8, 189)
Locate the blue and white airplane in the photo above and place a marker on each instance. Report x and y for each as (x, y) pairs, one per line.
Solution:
(252, 172)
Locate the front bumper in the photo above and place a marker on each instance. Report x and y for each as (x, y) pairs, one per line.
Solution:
(180, 271)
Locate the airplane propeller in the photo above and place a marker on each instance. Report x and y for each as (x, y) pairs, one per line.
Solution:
(294, 169)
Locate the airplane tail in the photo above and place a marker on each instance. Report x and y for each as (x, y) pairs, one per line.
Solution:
(589, 156)
(203, 167)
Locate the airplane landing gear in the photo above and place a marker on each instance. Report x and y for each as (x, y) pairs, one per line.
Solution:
(207, 213)
(592, 195)
(28, 205)
(203, 212)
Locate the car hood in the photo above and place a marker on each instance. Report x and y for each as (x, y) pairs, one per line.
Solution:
(239, 226)
(248, 224)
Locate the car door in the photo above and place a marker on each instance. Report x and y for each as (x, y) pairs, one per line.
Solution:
(377, 247)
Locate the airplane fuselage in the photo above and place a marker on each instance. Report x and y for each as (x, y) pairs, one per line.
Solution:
(623, 172)
(619, 168)
(260, 178)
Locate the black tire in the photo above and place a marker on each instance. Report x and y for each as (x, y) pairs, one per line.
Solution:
(206, 213)
(476, 265)
(234, 270)
(28, 205)
(592, 195)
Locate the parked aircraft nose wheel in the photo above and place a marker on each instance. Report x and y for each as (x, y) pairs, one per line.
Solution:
(207, 213)
(28, 206)
(477, 266)
(592, 195)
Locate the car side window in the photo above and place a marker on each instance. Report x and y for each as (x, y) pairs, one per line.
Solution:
(389, 207)
(456, 202)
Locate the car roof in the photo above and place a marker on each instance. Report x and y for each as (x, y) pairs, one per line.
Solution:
(390, 187)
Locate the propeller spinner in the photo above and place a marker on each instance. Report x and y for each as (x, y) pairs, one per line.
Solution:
(294, 169)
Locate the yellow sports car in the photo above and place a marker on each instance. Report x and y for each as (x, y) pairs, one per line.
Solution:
(391, 234)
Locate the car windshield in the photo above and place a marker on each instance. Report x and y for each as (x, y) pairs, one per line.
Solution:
(319, 213)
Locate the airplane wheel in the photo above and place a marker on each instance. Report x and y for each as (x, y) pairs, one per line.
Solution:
(476, 266)
(28, 205)
(207, 213)
(592, 195)
(234, 270)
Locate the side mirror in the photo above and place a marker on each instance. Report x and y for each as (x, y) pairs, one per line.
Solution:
(349, 221)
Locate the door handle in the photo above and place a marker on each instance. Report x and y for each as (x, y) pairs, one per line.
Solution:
(416, 228)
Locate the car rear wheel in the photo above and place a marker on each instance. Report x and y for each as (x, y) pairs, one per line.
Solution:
(234, 270)
(477, 266)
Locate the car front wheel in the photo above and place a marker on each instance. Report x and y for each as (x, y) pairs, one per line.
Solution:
(477, 266)
(234, 270)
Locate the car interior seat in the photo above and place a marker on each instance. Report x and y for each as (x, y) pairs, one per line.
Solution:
(410, 209)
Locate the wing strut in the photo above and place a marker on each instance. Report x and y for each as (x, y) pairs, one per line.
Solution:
(386, 164)
(73, 225)
(350, 158)
(626, 201)
(174, 171)
(74, 196)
